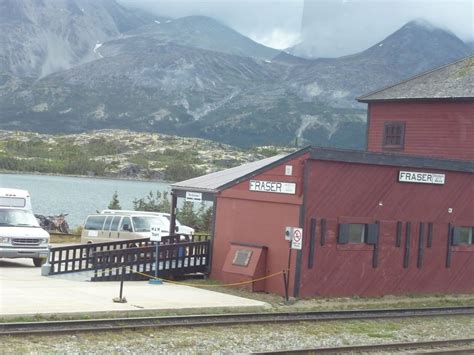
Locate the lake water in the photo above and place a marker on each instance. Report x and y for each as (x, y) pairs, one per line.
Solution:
(51, 195)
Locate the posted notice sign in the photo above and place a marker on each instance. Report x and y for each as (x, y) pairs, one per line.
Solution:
(273, 186)
(421, 177)
(297, 240)
(193, 196)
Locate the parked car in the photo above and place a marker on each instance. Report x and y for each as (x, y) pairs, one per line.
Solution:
(110, 225)
(20, 233)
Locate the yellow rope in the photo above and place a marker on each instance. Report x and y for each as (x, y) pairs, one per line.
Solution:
(202, 285)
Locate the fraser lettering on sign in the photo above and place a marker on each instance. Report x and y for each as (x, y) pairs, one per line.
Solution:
(421, 177)
(273, 186)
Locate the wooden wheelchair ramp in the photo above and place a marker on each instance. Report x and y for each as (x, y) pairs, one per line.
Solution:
(135, 259)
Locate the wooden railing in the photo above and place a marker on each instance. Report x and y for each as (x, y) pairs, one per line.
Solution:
(174, 259)
(178, 255)
(80, 257)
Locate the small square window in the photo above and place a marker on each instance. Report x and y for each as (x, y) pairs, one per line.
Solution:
(356, 233)
(394, 135)
(465, 235)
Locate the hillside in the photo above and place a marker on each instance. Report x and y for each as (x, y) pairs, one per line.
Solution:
(413, 49)
(38, 38)
(122, 153)
(205, 33)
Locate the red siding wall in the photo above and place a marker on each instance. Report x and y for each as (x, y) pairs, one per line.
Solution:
(439, 128)
(258, 218)
(358, 193)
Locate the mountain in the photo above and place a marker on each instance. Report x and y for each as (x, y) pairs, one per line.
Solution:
(414, 48)
(196, 77)
(39, 37)
(171, 89)
(471, 46)
(206, 33)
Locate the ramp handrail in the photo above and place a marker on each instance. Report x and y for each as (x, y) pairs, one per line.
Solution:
(79, 257)
(139, 263)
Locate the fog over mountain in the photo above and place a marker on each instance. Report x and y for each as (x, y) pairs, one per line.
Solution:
(333, 28)
(325, 28)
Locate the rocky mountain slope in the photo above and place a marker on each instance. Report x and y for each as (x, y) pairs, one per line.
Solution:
(205, 33)
(196, 77)
(39, 37)
(417, 30)
(413, 49)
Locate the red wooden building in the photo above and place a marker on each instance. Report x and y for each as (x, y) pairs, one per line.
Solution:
(430, 115)
(374, 222)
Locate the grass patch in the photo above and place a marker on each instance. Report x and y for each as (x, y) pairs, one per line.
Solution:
(64, 238)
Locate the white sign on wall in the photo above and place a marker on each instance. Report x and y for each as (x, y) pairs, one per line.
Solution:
(273, 186)
(297, 240)
(193, 196)
(421, 177)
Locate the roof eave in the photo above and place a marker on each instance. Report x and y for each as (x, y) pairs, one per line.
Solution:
(246, 176)
(452, 98)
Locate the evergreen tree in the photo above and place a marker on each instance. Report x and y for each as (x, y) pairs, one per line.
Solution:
(204, 218)
(187, 216)
(115, 203)
(153, 203)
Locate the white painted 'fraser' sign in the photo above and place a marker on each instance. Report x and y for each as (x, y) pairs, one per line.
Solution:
(421, 178)
(273, 186)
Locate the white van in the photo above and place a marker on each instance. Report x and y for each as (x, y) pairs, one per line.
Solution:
(20, 234)
(109, 225)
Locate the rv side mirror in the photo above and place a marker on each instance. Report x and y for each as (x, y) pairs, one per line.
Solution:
(176, 229)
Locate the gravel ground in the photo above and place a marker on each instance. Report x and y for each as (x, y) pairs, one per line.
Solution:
(244, 339)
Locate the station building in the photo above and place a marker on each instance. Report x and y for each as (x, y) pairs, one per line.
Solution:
(397, 218)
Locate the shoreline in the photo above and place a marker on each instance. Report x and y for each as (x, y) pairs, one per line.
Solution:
(10, 172)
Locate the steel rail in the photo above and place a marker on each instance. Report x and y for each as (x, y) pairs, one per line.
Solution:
(447, 347)
(67, 326)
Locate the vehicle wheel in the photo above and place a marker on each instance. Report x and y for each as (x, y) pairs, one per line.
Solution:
(39, 261)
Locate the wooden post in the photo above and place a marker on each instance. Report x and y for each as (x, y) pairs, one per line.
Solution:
(174, 200)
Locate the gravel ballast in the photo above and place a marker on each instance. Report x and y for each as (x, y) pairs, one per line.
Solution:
(248, 338)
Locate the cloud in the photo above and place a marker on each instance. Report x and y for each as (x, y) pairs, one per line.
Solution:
(277, 38)
(275, 23)
(338, 26)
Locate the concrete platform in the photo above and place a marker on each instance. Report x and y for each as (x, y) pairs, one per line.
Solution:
(23, 291)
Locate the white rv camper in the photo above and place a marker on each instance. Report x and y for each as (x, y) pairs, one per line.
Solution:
(20, 234)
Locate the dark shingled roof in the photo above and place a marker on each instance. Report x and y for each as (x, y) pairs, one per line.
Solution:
(452, 81)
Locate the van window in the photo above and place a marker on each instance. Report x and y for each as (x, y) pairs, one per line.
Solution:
(144, 223)
(12, 202)
(107, 223)
(94, 223)
(126, 221)
(115, 223)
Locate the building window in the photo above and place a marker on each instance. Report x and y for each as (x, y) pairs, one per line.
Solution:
(394, 135)
(463, 235)
(358, 233)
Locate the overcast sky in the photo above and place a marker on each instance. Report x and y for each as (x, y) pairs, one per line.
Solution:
(353, 24)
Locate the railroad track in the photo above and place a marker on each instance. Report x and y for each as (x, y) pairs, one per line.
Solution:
(68, 326)
(451, 346)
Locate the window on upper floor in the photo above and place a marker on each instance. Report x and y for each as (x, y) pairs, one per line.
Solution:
(394, 135)
(463, 235)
